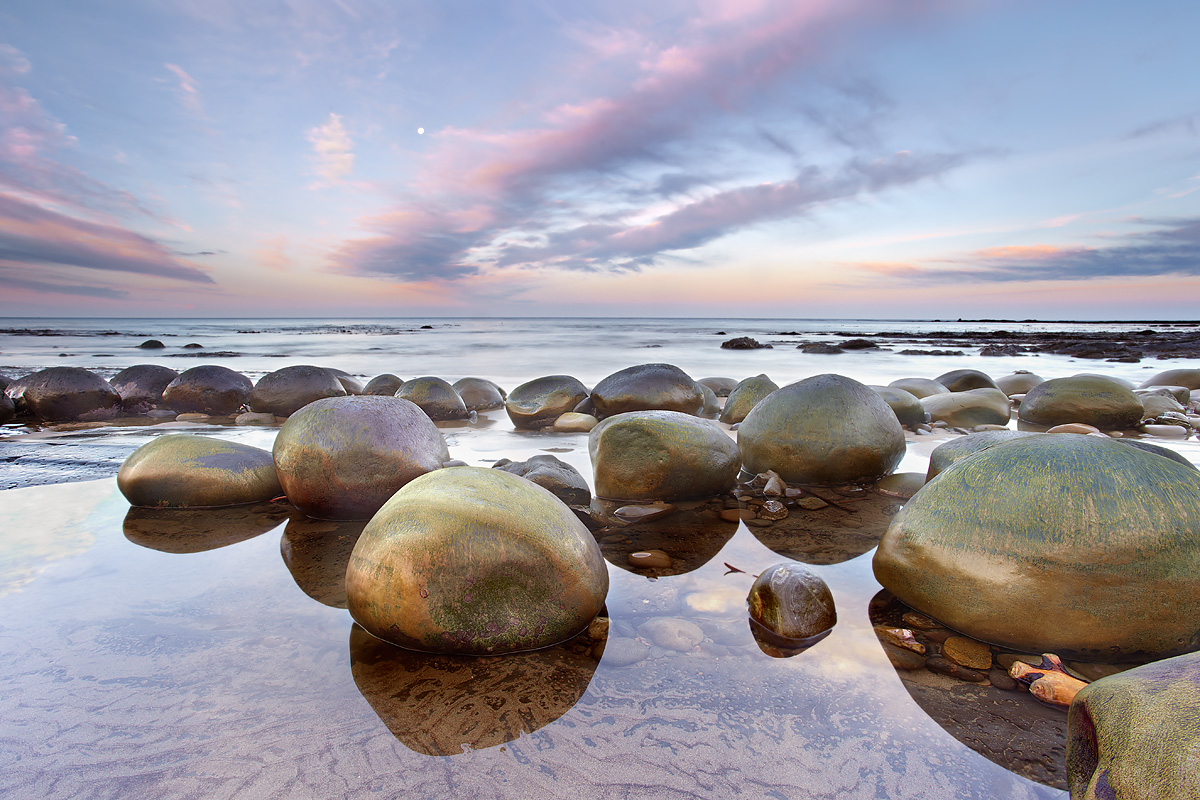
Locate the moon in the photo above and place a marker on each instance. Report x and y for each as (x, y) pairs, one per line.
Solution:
(420, 130)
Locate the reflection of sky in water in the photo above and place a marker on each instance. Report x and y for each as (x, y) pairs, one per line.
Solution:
(26, 550)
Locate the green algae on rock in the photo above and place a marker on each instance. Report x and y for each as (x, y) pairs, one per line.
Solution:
(537, 403)
(1092, 400)
(745, 396)
(946, 454)
(477, 561)
(1077, 545)
(186, 471)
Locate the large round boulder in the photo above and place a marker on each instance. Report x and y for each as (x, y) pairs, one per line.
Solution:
(969, 408)
(960, 380)
(70, 393)
(647, 387)
(285, 391)
(479, 394)
(919, 388)
(351, 384)
(1076, 545)
(385, 385)
(745, 396)
(1090, 399)
(824, 430)
(141, 386)
(343, 457)
(949, 452)
(1136, 735)
(1018, 382)
(721, 387)
(661, 455)
(537, 403)
(435, 397)
(185, 471)
(905, 405)
(556, 476)
(1189, 378)
(471, 560)
(207, 389)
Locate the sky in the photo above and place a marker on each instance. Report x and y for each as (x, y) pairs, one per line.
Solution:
(909, 159)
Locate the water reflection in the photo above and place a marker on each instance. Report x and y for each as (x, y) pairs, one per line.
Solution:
(776, 646)
(847, 526)
(196, 530)
(690, 536)
(317, 552)
(440, 705)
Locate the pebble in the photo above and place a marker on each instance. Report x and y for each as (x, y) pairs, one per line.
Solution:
(650, 559)
(572, 422)
(811, 503)
(672, 633)
(919, 621)
(620, 651)
(899, 637)
(598, 628)
(775, 487)
(737, 515)
(1074, 427)
(967, 652)
(773, 510)
(1000, 679)
(643, 513)
(254, 418)
(938, 635)
(191, 416)
(945, 667)
(1166, 431)
(902, 658)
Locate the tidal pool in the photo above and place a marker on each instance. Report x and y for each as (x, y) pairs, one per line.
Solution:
(207, 655)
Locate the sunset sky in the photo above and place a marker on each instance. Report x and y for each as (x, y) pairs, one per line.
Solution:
(803, 158)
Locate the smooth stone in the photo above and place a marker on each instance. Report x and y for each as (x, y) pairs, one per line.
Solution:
(1154, 405)
(285, 391)
(1181, 394)
(435, 397)
(944, 666)
(772, 510)
(711, 406)
(537, 403)
(351, 384)
(721, 387)
(919, 388)
(142, 384)
(193, 416)
(385, 385)
(621, 651)
(186, 471)
(1001, 680)
(476, 561)
(1092, 400)
(901, 484)
(647, 387)
(969, 407)
(901, 658)
(919, 621)
(151, 344)
(820, 348)
(551, 473)
(949, 452)
(254, 418)
(962, 380)
(1167, 431)
(1074, 427)
(792, 601)
(572, 422)
(1077, 545)
(899, 637)
(1019, 382)
(633, 514)
(745, 396)
(650, 559)
(161, 413)
(672, 633)
(8, 409)
(967, 653)
(1159, 450)
(343, 457)
(207, 389)
(661, 455)
(479, 394)
(811, 503)
(905, 405)
(70, 393)
(824, 430)
(1187, 377)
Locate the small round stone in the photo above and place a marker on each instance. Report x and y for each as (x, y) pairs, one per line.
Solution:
(792, 601)
(649, 559)
(967, 652)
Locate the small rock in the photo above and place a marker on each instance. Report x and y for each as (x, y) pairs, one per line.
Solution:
(919, 621)
(643, 513)
(650, 559)
(967, 652)
(151, 344)
(899, 637)
(737, 515)
(774, 487)
(572, 422)
(1000, 679)
(944, 667)
(1074, 427)
(744, 343)
(903, 658)
(598, 628)
(811, 503)
(254, 418)
(772, 510)
(1166, 431)
(191, 417)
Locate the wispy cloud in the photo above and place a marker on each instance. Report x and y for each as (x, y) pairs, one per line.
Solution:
(189, 90)
(17, 280)
(333, 151)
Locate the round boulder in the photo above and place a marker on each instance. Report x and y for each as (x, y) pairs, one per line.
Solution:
(969, 408)
(552, 474)
(70, 393)
(537, 403)
(745, 396)
(905, 405)
(285, 391)
(647, 387)
(1092, 400)
(351, 384)
(1019, 382)
(824, 430)
(207, 389)
(343, 457)
(711, 406)
(385, 385)
(479, 561)
(960, 380)
(661, 455)
(1189, 378)
(141, 386)
(7, 409)
(185, 471)
(435, 397)
(1076, 545)
(479, 394)
(919, 388)
(792, 601)
(721, 387)
(946, 454)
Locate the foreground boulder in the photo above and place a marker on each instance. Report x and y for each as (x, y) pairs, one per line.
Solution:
(661, 455)
(479, 394)
(1077, 545)
(479, 561)
(343, 457)
(208, 389)
(969, 408)
(556, 476)
(70, 393)
(1135, 735)
(435, 397)
(537, 403)
(285, 391)
(185, 471)
(745, 396)
(647, 387)
(1090, 399)
(946, 454)
(141, 386)
(824, 430)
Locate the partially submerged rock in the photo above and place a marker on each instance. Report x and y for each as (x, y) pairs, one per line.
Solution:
(969, 408)
(285, 391)
(745, 396)
(1092, 400)
(479, 394)
(537, 403)
(186, 471)
(556, 476)
(70, 393)
(647, 387)
(793, 602)
(961, 380)
(207, 389)
(435, 397)
(141, 386)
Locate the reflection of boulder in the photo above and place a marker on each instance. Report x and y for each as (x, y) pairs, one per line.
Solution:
(691, 536)
(316, 553)
(194, 530)
(831, 534)
(776, 646)
(438, 705)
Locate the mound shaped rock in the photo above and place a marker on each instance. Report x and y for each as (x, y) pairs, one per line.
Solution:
(285, 391)
(1076, 545)
(792, 601)
(721, 387)
(1018, 382)
(824, 430)
(537, 403)
(142, 385)
(207, 389)
(1189, 378)
(471, 560)
(919, 388)
(661, 455)
(969, 408)
(1092, 400)
(186, 471)
(385, 385)
(479, 394)
(351, 384)
(556, 476)
(960, 380)
(946, 454)
(70, 393)
(745, 396)
(343, 457)
(905, 405)
(647, 387)
(435, 396)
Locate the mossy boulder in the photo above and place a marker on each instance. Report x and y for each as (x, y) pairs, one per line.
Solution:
(141, 386)
(479, 394)
(969, 408)
(70, 393)
(343, 457)
(207, 389)
(185, 471)
(1090, 399)
(946, 454)
(537, 403)
(661, 455)
(1189, 378)
(919, 387)
(647, 387)
(1158, 450)
(905, 405)
(285, 391)
(479, 561)
(1076, 545)
(745, 396)
(961, 380)
(792, 601)
(1018, 382)
(824, 430)
(385, 385)
(351, 384)
(1136, 735)
(435, 397)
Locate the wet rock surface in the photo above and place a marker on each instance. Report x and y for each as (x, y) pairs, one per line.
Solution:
(207, 389)
(647, 387)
